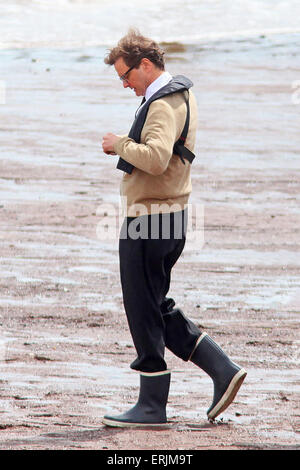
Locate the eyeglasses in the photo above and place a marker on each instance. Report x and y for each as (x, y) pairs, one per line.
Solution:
(123, 77)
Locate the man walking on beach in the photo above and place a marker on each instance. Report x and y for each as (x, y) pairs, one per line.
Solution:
(156, 158)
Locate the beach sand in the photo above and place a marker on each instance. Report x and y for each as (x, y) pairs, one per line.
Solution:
(65, 347)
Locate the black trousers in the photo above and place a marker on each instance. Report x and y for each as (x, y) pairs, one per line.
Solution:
(149, 247)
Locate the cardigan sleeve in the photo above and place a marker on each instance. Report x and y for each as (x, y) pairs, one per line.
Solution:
(153, 154)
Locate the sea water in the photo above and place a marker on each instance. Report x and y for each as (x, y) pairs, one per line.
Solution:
(78, 23)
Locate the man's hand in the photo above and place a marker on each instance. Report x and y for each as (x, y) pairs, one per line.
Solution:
(108, 142)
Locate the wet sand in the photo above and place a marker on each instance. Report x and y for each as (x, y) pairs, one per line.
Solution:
(65, 348)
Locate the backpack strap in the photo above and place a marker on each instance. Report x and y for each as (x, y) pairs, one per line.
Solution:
(179, 147)
(123, 165)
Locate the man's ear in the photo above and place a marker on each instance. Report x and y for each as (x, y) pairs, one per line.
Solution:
(147, 64)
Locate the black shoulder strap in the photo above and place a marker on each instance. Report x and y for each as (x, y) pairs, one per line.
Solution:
(123, 165)
(179, 147)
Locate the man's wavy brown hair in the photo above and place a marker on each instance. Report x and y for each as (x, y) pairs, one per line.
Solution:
(133, 48)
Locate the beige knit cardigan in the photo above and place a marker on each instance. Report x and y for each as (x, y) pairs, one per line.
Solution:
(160, 182)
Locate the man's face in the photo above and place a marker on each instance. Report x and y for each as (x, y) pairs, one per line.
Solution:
(136, 79)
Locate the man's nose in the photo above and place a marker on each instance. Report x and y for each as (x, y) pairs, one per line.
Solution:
(125, 84)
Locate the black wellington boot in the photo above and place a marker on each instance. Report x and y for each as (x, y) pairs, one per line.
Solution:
(226, 375)
(150, 409)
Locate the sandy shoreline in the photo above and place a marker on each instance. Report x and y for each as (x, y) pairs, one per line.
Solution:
(65, 348)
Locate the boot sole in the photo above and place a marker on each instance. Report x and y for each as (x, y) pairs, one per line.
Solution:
(124, 424)
(229, 395)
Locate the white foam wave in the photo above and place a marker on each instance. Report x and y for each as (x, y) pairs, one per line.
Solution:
(85, 23)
